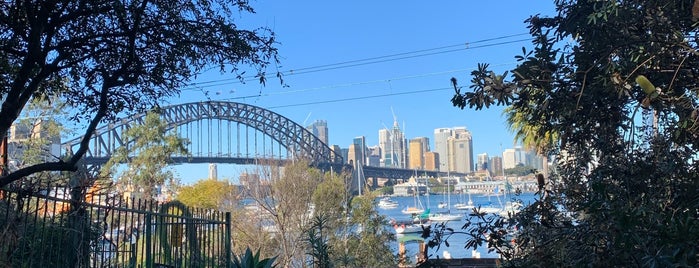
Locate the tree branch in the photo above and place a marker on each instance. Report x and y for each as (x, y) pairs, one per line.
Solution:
(71, 165)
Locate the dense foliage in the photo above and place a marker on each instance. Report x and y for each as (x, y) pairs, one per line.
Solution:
(310, 217)
(209, 194)
(609, 91)
(104, 58)
(146, 157)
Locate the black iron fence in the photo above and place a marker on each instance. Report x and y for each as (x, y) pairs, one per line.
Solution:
(50, 227)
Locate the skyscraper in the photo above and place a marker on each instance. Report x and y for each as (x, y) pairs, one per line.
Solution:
(374, 156)
(319, 128)
(460, 151)
(431, 161)
(440, 147)
(393, 147)
(496, 166)
(357, 151)
(509, 158)
(386, 149)
(482, 163)
(416, 154)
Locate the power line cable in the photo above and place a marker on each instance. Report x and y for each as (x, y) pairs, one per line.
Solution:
(401, 58)
(372, 60)
(361, 98)
(352, 84)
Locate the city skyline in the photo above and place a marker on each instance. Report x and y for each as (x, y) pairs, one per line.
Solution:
(395, 64)
(392, 65)
(414, 152)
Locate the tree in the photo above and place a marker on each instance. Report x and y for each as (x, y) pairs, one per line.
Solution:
(622, 193)
(147, 157)
(288, 205)
(209, 194)
(347, 231)
(37, 135)
(105, 58)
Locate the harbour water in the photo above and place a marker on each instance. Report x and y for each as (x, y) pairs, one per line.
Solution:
(457, 241)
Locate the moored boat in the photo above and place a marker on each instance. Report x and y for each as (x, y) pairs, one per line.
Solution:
(387, 203)
(442, 217)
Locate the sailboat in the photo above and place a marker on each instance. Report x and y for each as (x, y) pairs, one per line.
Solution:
(443, 204)
(464, 206)
(417, 207)
(442, 217)
(511, 207)
(490, 208)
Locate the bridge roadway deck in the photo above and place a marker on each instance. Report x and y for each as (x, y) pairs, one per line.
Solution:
(369, 171)
(404, 173)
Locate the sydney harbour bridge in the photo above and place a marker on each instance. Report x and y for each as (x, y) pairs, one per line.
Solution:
(236, 133)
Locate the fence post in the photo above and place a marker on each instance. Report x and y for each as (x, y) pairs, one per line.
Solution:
(228, 240)
(149, 260)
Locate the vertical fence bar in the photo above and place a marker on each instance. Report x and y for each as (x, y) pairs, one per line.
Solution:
(228, 240)
(149, 261)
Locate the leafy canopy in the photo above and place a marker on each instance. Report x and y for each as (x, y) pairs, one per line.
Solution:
(610, 90)
(104, 58)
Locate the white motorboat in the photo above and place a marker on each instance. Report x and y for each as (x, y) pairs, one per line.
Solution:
(410, 228)
(387, 203)
(489, 210)
(442, 217)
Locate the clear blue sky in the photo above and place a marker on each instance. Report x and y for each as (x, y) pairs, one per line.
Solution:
(358, 100)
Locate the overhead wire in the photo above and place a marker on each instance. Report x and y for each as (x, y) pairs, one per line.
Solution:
(366, 61)
(355, 84)
(360, 98)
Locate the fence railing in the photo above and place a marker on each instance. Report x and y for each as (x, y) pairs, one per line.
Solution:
(47, 228)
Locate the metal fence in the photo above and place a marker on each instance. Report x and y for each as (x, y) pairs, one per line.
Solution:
(46, 228)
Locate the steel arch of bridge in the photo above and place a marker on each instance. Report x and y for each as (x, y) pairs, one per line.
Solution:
(296, 138)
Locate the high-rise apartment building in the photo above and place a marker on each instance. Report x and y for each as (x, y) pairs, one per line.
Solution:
(440, 147)
(319, 128)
